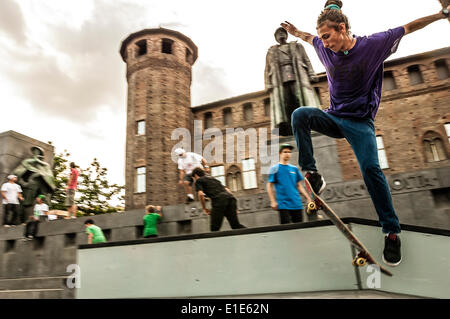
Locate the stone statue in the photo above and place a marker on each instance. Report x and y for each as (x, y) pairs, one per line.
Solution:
(35, 177)
(288, 75)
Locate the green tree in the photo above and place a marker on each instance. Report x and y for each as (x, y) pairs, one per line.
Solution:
(60, 168)
(95, 194)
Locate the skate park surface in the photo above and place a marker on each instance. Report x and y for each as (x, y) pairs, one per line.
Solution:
(306, 260)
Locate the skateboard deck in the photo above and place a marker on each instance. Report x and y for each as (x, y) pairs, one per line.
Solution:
(363, 255)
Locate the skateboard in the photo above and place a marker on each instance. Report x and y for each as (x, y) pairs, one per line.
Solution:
(363, 256)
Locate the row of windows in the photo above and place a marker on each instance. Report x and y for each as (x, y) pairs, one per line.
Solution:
(433, 147)
(415, 75)
(227, 114)
(234, 179)
(166, 48)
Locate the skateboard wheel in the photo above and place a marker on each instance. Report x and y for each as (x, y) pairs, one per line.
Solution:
(360, 262)
(311, 207)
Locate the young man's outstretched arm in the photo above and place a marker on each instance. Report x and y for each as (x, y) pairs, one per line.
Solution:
(423, 22)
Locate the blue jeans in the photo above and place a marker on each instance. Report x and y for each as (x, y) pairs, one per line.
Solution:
(360, 133)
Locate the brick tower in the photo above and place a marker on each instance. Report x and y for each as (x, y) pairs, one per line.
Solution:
(159, 65)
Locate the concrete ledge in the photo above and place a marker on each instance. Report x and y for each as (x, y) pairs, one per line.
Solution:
(285, 259)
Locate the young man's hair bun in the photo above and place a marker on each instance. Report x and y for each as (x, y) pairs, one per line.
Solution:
(336, 2)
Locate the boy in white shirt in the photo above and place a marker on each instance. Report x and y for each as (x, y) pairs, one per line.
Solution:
(11, 194)
(187, 162)
(40, 213)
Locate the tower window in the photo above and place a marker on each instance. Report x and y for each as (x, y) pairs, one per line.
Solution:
(442, 69)
(415, 76)
(141, 47)
(167, 46)
(140, 127)
(248, 112)
(389, 81)
(140, 180)
(188, 56)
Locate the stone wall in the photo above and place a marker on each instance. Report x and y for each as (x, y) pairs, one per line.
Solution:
(406, 114)
(420, 198)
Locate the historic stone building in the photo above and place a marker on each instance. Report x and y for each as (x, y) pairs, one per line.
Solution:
(159, 76)
(413, 122)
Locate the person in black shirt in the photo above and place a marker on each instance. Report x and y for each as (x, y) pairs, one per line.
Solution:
(223, 202)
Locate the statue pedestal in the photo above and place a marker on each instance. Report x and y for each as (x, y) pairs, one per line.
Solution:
(14, 148)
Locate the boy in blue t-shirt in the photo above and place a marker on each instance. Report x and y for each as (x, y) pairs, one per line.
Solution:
(286, 178)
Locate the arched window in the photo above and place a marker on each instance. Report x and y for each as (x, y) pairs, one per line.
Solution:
(167, 46)
(389, 81)
(433, 147)
(141, 48)
(234, 179)
(208, 120)
(248, 112)
(267, 107)
(442, 69)
(415, 75)
(188, 56)
(227, 116)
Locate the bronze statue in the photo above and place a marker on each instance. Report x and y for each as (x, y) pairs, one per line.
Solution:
(35, 177)
(288, 75)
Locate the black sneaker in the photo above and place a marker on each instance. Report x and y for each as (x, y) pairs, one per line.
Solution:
(189, 200)
(391, 254)
(317, 182)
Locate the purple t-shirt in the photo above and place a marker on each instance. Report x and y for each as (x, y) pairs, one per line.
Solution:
(355, 80)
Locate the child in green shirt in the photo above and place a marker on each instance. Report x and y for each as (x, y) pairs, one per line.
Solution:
(150, 220)
(95, 233)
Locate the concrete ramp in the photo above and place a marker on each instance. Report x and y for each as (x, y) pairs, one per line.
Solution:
(288, 261)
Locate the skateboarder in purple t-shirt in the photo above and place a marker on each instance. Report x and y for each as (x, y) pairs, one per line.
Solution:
(354, 67)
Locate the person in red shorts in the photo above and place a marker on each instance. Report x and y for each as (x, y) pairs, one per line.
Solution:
(71, 189)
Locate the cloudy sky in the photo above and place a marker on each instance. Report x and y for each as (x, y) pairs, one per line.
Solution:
(62, 78)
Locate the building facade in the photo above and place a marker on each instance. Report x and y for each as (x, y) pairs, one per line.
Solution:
(412, 124)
